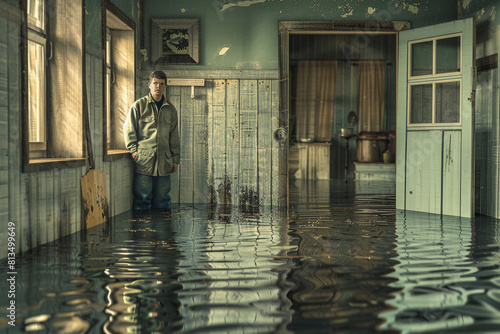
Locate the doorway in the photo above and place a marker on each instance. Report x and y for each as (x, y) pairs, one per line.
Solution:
(349, 45)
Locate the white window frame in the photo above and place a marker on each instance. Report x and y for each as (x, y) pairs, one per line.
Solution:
(37, 35)
(433, 79)
(108, 89)
(114, 20)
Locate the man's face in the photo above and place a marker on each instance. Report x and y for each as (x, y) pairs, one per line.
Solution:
(157, 87)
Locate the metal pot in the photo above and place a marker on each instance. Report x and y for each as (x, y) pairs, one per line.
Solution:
(370, 146)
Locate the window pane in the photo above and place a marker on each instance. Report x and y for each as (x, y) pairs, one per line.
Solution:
(448, 55)
(421, 104)
(421, 58)
(36, 92)
(36, 18)
(448, 102)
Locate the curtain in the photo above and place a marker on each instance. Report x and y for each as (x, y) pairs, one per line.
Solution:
(315, 100)
(371, 76)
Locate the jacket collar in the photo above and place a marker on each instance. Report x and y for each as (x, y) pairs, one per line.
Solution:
(151, 100)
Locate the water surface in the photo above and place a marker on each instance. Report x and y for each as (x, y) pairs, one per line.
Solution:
(342, 261)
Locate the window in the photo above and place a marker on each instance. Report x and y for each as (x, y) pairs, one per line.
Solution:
(52, 82)
(37, 41)
(435, 81)
(119, 71)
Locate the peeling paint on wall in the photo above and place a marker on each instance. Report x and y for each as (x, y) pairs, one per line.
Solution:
(183, 10)
(223, 50)
(346, 10)
(465, 4)
(411, 7)
(480, 13)
(371, 10)
(241, 3)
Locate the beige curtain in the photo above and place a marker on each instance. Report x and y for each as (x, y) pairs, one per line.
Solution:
(371, 75)
(315, 100)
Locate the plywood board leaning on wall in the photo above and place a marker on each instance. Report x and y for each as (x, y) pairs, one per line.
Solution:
(94, 198)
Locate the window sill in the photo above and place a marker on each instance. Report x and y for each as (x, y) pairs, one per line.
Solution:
(116, 154)
(43, 164)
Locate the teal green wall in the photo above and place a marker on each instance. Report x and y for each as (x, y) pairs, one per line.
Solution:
(250, 27)
(484, 10)
(251, 32)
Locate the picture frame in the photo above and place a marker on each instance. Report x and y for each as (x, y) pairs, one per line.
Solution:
(175, 41)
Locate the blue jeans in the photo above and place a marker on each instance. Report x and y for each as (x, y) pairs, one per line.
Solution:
(152, 191)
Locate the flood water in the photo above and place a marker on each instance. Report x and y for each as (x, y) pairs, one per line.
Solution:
(342, 261)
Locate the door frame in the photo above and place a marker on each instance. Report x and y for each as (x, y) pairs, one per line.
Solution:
(286, 28)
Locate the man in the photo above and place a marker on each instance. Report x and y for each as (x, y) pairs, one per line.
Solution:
(151, 135)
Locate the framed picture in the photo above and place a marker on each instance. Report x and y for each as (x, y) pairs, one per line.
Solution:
(175, 41)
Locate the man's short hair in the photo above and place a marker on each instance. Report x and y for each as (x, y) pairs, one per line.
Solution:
(158, 75)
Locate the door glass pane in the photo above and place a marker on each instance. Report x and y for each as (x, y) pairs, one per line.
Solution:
(421, 104)
(448, 55)
(421, 58)
(448, 102)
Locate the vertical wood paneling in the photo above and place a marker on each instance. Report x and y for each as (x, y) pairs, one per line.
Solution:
(233, 138)
(56, 188)
(186, 113)
(17, 189)
(423, 171)
(210, 135)
(276, 152)
(42, 204)
(451, 172)
(219, 142)
(47, 205)
(248, 143)
(264, 137)
(23, 224)
(121, 184)
(487, 139)
(174, 96)
(64, 202)
(31, 230)
(4, 133)
(200, 137)
(50, 222)
(226, 147)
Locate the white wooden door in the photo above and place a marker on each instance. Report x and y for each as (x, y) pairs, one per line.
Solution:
(435, 119)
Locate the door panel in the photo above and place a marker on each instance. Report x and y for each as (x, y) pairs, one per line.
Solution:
(435, 127)
(423, 175)
(451, 172)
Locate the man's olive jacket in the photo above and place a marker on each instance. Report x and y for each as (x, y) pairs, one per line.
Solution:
(153, 134)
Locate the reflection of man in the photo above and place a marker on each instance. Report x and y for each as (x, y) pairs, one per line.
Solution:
(151, 135)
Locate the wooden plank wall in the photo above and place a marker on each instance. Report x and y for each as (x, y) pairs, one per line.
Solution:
(47, 205)
(487, 139)
(228, 155)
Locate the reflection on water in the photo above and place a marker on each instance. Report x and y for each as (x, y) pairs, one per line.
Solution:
(342, 262)
(448, 275)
